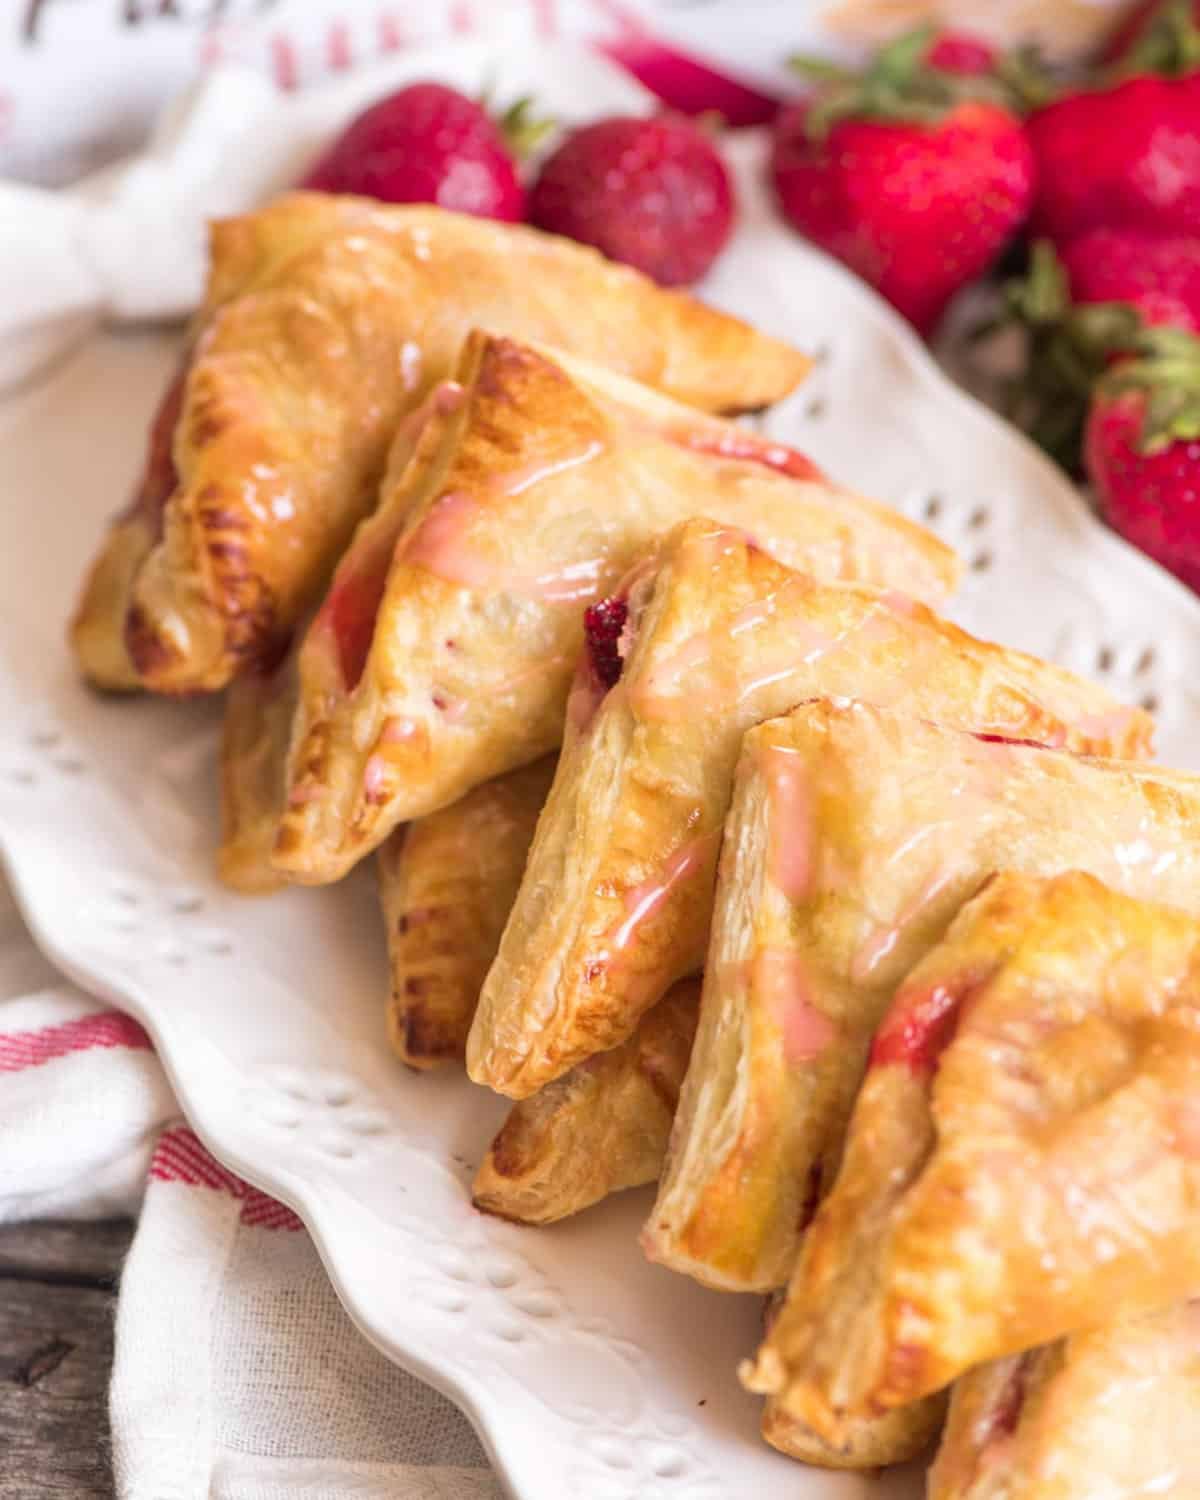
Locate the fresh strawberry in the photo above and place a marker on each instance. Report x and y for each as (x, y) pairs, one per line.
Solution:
(961, 53)
(915, 177)
(653, 193)
(1157, 275)
(1142, 450)
(1158, 36)
(1084, 310)
(1121, 157)
(428, 144)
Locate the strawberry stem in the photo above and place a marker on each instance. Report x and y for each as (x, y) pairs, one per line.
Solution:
(1169, 44)
(1166, 369)
(1069, 349)
(523, 130)
(901, 83)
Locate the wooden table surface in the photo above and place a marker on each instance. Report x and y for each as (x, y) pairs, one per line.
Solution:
(58, 1293)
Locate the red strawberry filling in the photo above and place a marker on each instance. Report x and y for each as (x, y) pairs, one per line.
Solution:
(1001, 1421)
(736, 443)
(603, 623)
(1004, 739)
(353, 603)
(916, 1036)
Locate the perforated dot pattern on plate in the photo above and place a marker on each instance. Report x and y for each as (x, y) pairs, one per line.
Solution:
(969, 526)
(169, 923)
(328, 1112)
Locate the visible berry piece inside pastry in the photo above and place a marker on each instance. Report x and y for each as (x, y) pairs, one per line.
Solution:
(326, 318)
(618, 894)
(446, 885)
(1110, 1412)
(854, 836)
(443, 653)
(1023, 1158)
(599, 1129)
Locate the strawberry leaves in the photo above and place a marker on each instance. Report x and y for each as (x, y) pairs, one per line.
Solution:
(903, 82)
(1166, 370)
(1169, 43)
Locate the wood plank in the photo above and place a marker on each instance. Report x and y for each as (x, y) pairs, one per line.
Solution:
(56, 1340)
(90, 1253)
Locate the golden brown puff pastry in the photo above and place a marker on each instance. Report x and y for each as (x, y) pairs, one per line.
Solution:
(599, 1129)
(325, 319)
(446, 885)
(894, 1437)
(444, 650)
(259, 708)
(618, 893)
(1023, 1160)
(1109, 1414)
(854, 836)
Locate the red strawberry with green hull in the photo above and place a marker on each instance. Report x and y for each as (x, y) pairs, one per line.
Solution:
(914, 175)
(1159, 275)
(430, 144)
(1086, 309)
(1124, 157)
(1142, 450)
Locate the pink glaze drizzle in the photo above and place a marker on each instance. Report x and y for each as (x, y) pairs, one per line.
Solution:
(351, 608)
(879, 945)
(790, 837)
(781, 978)
(397, 731)
(736, 443)
(644, 900)
(1185, 1128)
(441, 543)
(375, 779)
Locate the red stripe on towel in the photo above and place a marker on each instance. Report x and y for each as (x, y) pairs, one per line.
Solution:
(32, 1049)
(180, 1157)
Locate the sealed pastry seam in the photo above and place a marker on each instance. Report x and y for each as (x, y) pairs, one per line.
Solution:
(464, 593)
(1021, 1158)
(446, 886)
(618, 894)
(854, 835)
(325, 320)
(597, 1130)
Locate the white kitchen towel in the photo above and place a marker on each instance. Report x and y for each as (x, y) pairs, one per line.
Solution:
(237, 1374)
(257, 95)
(131, 244)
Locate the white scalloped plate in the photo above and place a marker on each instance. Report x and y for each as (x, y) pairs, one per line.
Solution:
(588, 1372)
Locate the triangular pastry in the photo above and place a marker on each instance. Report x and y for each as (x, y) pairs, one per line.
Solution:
(1109, 1414)
(446, 885)
(854, 836)
(599, 1129)
(443, 653)
(325, 319)
(895, 1437)
(1023, 1160)
(618, 893)
(259, 709)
